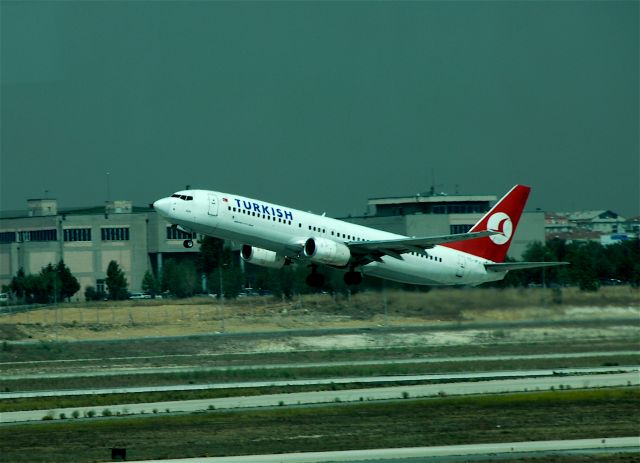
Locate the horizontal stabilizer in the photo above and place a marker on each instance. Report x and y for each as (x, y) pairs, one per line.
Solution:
(503, 267)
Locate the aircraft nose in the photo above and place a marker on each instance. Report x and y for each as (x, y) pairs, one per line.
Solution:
(162, 206)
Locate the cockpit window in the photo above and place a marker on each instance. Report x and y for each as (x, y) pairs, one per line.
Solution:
(182, 197)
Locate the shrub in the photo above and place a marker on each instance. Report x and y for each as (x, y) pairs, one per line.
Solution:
(107, 412)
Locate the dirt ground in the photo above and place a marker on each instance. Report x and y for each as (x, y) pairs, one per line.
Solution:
(127, 319)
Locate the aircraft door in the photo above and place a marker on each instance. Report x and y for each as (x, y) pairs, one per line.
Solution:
(213, 204)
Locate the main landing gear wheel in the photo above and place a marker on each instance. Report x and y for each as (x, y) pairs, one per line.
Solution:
(352, 278)
(315, 279)
(188, 244)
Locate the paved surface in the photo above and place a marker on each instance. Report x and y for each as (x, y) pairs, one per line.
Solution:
(352, 395)
(514, 449)
(304, 382)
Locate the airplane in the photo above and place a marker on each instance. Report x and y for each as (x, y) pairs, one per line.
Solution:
(274, 236)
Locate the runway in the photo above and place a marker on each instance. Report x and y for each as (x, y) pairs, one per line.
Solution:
(352, 395)
(432, 454)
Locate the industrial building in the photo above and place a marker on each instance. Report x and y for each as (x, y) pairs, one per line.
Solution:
(87, 239)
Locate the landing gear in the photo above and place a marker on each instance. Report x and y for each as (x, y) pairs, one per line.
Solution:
(352, 278)
(188, 244)
(315, 279)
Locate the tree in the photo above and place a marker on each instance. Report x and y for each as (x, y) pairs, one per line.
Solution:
(212, 251)
(180, 278)
(116, 282)
(48, 287)
(150, 283)
(18, 285)
(68, 283)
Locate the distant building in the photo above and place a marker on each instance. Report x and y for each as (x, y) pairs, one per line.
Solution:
(87, 239)
(441, 214)
(603, 221)
(603, 226)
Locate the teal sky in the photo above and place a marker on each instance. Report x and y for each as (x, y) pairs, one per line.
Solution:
(320, 105)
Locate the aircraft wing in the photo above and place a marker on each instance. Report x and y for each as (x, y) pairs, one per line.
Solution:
(374, 250)
(503, 267)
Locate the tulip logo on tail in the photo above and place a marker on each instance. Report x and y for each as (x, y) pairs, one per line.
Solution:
(500, 223)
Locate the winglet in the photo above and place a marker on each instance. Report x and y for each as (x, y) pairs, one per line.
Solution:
(503, 219)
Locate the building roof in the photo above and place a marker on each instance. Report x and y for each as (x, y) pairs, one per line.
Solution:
(89, 210)
(592, 215)
(575, 235)
(438, 198)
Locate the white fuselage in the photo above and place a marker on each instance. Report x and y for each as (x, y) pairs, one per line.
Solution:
(285, 230)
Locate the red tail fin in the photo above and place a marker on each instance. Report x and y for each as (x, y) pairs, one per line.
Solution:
(502, 218)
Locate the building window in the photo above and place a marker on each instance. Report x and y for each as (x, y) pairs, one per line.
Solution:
(38, 235)
(115, 234)
(455, 229)
(174, 234)
(7, 237)
(77, 234)
(100, 286)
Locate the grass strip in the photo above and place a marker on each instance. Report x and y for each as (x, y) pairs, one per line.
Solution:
(404, 423)
(278, 374)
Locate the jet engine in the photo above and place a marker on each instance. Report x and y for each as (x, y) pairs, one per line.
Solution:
(327, 252)
(262, 257)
